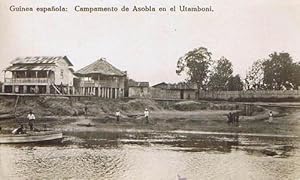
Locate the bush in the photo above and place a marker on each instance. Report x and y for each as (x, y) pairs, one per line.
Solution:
(190, 106)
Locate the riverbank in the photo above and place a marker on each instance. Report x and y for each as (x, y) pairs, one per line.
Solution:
(68, 115)
(205, 120)
(214, 121)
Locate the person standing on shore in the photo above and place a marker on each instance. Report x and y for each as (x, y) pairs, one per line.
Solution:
(85, 110)
(31, 119)
(270, 116)
(237, 119)
(146, 114)
(230, 118)
(118, 115)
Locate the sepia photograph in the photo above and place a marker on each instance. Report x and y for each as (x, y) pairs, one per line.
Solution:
(150, 90)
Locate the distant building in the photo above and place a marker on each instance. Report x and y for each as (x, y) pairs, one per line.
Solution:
(1, 86)
(101, 79)
(138, 89)
(39, 74)
(174, 91)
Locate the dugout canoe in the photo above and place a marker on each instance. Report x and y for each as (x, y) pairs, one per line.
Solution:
(30, 137)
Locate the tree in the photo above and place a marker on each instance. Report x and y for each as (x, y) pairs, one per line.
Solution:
(235, 83)
(195, 64)
(278, 70)
(296, 75)
(222, 72)
(255, 77)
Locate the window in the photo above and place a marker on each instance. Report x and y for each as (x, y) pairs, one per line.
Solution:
(61, 73)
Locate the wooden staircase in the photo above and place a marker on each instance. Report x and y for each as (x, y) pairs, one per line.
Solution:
(56, 88)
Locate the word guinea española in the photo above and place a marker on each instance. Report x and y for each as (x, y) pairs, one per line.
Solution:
(14, 8)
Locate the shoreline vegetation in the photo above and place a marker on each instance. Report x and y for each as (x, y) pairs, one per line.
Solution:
(67, 114)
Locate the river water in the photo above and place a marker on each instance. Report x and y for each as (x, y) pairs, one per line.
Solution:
(154, 155)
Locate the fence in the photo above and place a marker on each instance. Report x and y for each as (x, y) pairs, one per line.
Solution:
(268, 94)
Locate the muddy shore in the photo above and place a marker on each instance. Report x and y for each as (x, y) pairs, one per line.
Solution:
(68, 115)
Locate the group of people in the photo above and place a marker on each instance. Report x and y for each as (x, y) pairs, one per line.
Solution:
(118, 114)
(20, 129)
(146, 115)
(233, 118)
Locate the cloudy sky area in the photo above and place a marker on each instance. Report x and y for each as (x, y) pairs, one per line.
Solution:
(148, 45)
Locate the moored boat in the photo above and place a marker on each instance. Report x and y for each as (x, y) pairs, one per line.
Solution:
(30, 137)
(6, 116)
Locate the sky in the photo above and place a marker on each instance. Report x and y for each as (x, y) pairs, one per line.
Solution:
(148, 44)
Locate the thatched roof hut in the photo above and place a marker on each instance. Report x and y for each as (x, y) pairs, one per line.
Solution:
(102, 67)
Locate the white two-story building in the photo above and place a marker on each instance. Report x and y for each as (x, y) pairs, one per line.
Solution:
(40, 75)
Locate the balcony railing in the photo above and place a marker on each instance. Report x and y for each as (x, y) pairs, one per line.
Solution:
(27, 80)
(102, 83)
(88, 84)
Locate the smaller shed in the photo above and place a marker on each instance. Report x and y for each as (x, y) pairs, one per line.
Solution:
(180, 90)
(138, 89)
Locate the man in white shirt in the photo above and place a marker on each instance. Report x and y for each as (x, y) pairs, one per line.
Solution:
(118, 115)
(31, 119)
(270, 116)
(146, 114)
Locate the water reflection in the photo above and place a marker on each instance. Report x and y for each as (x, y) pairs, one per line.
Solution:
(104, 155)
(180, 142)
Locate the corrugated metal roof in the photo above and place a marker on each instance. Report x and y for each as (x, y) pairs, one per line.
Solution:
(41, 60)
(101, 66)
(162, 84)
(20, 67)
(132, 83)
(178, 86)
